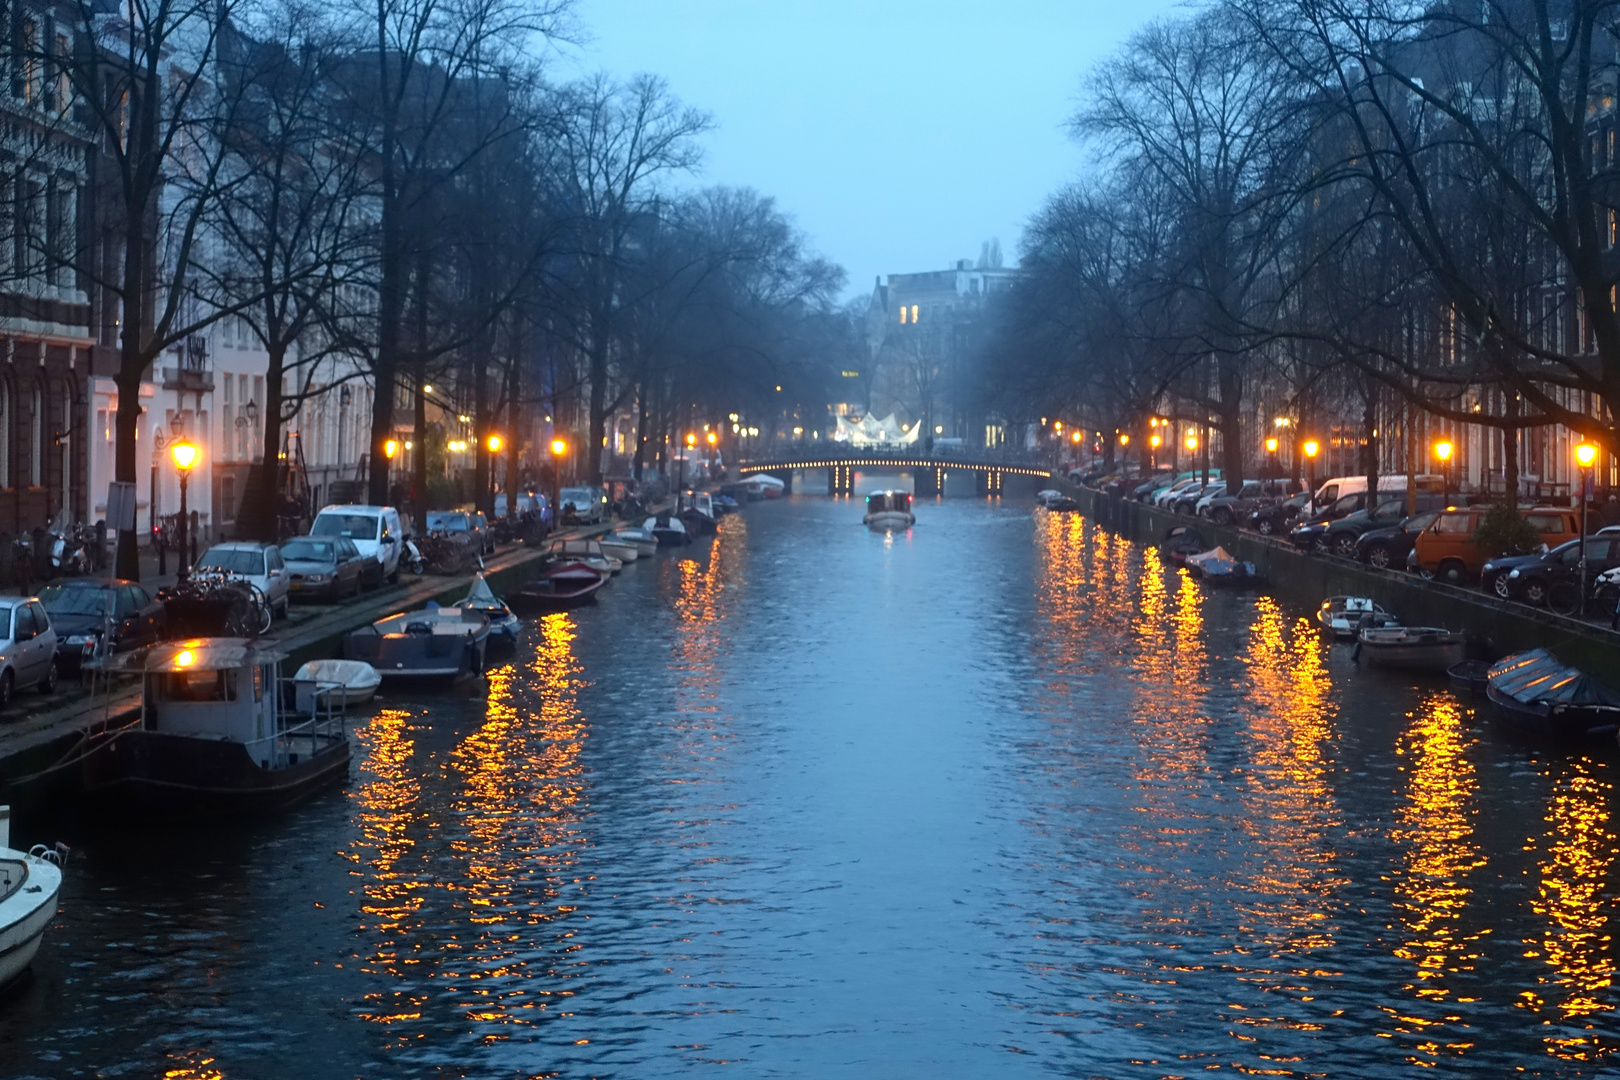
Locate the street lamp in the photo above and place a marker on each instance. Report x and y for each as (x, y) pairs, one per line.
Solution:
(559, 447)
(1311, 448)
(1271, 458)
(184, 453)
(1586, 457)
(1442, 451)
(494, 444)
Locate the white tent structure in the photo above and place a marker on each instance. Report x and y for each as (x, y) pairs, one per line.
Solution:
(870, 431)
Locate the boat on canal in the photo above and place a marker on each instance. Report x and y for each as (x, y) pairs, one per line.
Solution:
(503, 625)
(1541, 698)
(212, 737)
(889, 509)
(589, 552)
(29, 885)
(623, 550)
(697, 513)
(564, 586)
(1411, 648)
(1345, 616)
(1217, 568)
(333, 683)
(434, 643)
(1470, 676)
(669, 530)
(643, 540)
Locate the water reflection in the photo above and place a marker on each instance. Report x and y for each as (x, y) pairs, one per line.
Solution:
(1433, 884)
(1577, 853)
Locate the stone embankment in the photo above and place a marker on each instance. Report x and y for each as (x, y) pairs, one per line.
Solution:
(1495, 627)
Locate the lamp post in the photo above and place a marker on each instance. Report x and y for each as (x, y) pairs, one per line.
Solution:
(1586, 457)
(152, 514)
(1312, 448)
(559, 448)
(1442, 451)
(1271, 458)
(184, 453)
(493, 443)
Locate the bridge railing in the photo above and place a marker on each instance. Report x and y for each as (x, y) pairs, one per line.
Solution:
(786, 455)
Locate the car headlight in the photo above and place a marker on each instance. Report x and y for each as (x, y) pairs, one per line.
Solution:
(317, 579)
(1513, 573)
(81, 639)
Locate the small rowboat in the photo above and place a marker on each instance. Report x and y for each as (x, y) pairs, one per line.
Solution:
(335, 684)
(1541, 698)
(1411, 648)
(1470, 676)
(562, 587)
(669, 530)
(642, 540)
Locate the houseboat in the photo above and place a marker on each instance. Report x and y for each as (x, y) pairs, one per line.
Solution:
(889, 510)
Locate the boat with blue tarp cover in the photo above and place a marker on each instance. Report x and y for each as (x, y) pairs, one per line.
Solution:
(1541, 697)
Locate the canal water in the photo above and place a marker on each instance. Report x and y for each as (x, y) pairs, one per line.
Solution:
(1000, 796)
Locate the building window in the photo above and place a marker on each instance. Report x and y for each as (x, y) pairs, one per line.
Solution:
(913, 312)
(6, 431)
(28, 44)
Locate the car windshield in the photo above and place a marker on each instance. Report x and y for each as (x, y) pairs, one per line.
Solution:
(1419, 522)
(447, 522)
(63, 599)
(232, 561)
(308, 551)
(354, 526)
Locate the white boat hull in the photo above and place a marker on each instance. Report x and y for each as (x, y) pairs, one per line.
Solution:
(25, 913)
(890, 519)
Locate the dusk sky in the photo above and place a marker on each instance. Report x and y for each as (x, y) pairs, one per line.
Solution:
(901, 135)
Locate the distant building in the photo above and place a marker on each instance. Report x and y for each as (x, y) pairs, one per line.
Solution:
(923, 331)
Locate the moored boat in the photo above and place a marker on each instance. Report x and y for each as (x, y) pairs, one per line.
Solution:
(614, 548)
(669, 530)
(564, 586)
(333, 683)
(889, 510)
(1216, 567)
(1411, 648)
(1469, 676)
(1542, 698)
(434, 643)
(696, 511)
(1345, 616)
(503, 625)
(29, 885)
(641, 539)
(589, 552)
(212, 737)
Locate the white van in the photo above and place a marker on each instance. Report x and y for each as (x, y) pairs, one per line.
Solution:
(1340, 486)
(375, 531)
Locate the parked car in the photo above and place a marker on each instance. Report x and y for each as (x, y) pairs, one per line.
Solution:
(1188, 500)
(1309, 531)
(375, 530)
(1228, 509)
(1161, 479)
(1248, 489)
(1343, 536)
(258, 563)
(1167, 496)
(27, 648)
(583, 505)
(327, 568)
(1446, 549)
(1493, 576)
(1388, 547)
(468, 522)
(1268, 520)
(79, 610)
(529, 503)
(1533, 580)
(1338, 487)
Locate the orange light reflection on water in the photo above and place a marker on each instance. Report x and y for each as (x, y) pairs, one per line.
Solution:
(1436, 833)
(1577, 849)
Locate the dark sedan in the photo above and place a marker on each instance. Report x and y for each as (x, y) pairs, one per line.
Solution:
(1344, 535)
(1277, 517)
(327, 567)
(83, 610)
(1388, 547)
(1533, 582)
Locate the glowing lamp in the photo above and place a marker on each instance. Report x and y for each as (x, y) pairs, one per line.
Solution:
(1192, 442)
(1124, 439)
(494, 444)
(713, 438)
(1586, 455)
(1442, 450)
(1073, 435)
(691, 439)
(1153, 441)
(1312, 447)
(559, 447)
(185, 658)
(1271, 446)
(184, 453)
(390, 448)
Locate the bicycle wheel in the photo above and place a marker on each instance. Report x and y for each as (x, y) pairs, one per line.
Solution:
(1564, 598)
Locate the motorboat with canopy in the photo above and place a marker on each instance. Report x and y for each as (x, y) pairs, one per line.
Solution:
(1345, 616)
(889, 510)
(434, 643)
(212, 736)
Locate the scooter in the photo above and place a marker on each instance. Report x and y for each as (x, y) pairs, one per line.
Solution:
(412, 557)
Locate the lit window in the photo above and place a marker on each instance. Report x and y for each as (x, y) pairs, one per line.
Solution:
(913, 312)
(902, 314)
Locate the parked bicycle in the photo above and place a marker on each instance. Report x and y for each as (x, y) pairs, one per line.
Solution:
(216, 605)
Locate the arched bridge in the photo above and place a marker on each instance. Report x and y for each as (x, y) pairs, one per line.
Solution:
(930, 471)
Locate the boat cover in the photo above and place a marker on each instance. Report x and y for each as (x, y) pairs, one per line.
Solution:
(1215, 562)
(481, 595)
(1537, 677)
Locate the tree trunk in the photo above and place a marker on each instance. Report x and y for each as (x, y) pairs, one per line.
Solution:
(1369, 451)
(261, 516)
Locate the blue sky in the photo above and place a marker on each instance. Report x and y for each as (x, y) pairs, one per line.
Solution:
(900, 134)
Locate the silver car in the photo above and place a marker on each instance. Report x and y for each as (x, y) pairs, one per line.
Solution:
(260, 564)
(27, 648)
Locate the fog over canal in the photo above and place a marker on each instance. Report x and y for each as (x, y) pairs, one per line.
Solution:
(1000, 796)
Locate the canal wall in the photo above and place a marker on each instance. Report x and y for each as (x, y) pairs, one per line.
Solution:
(1495, 627)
